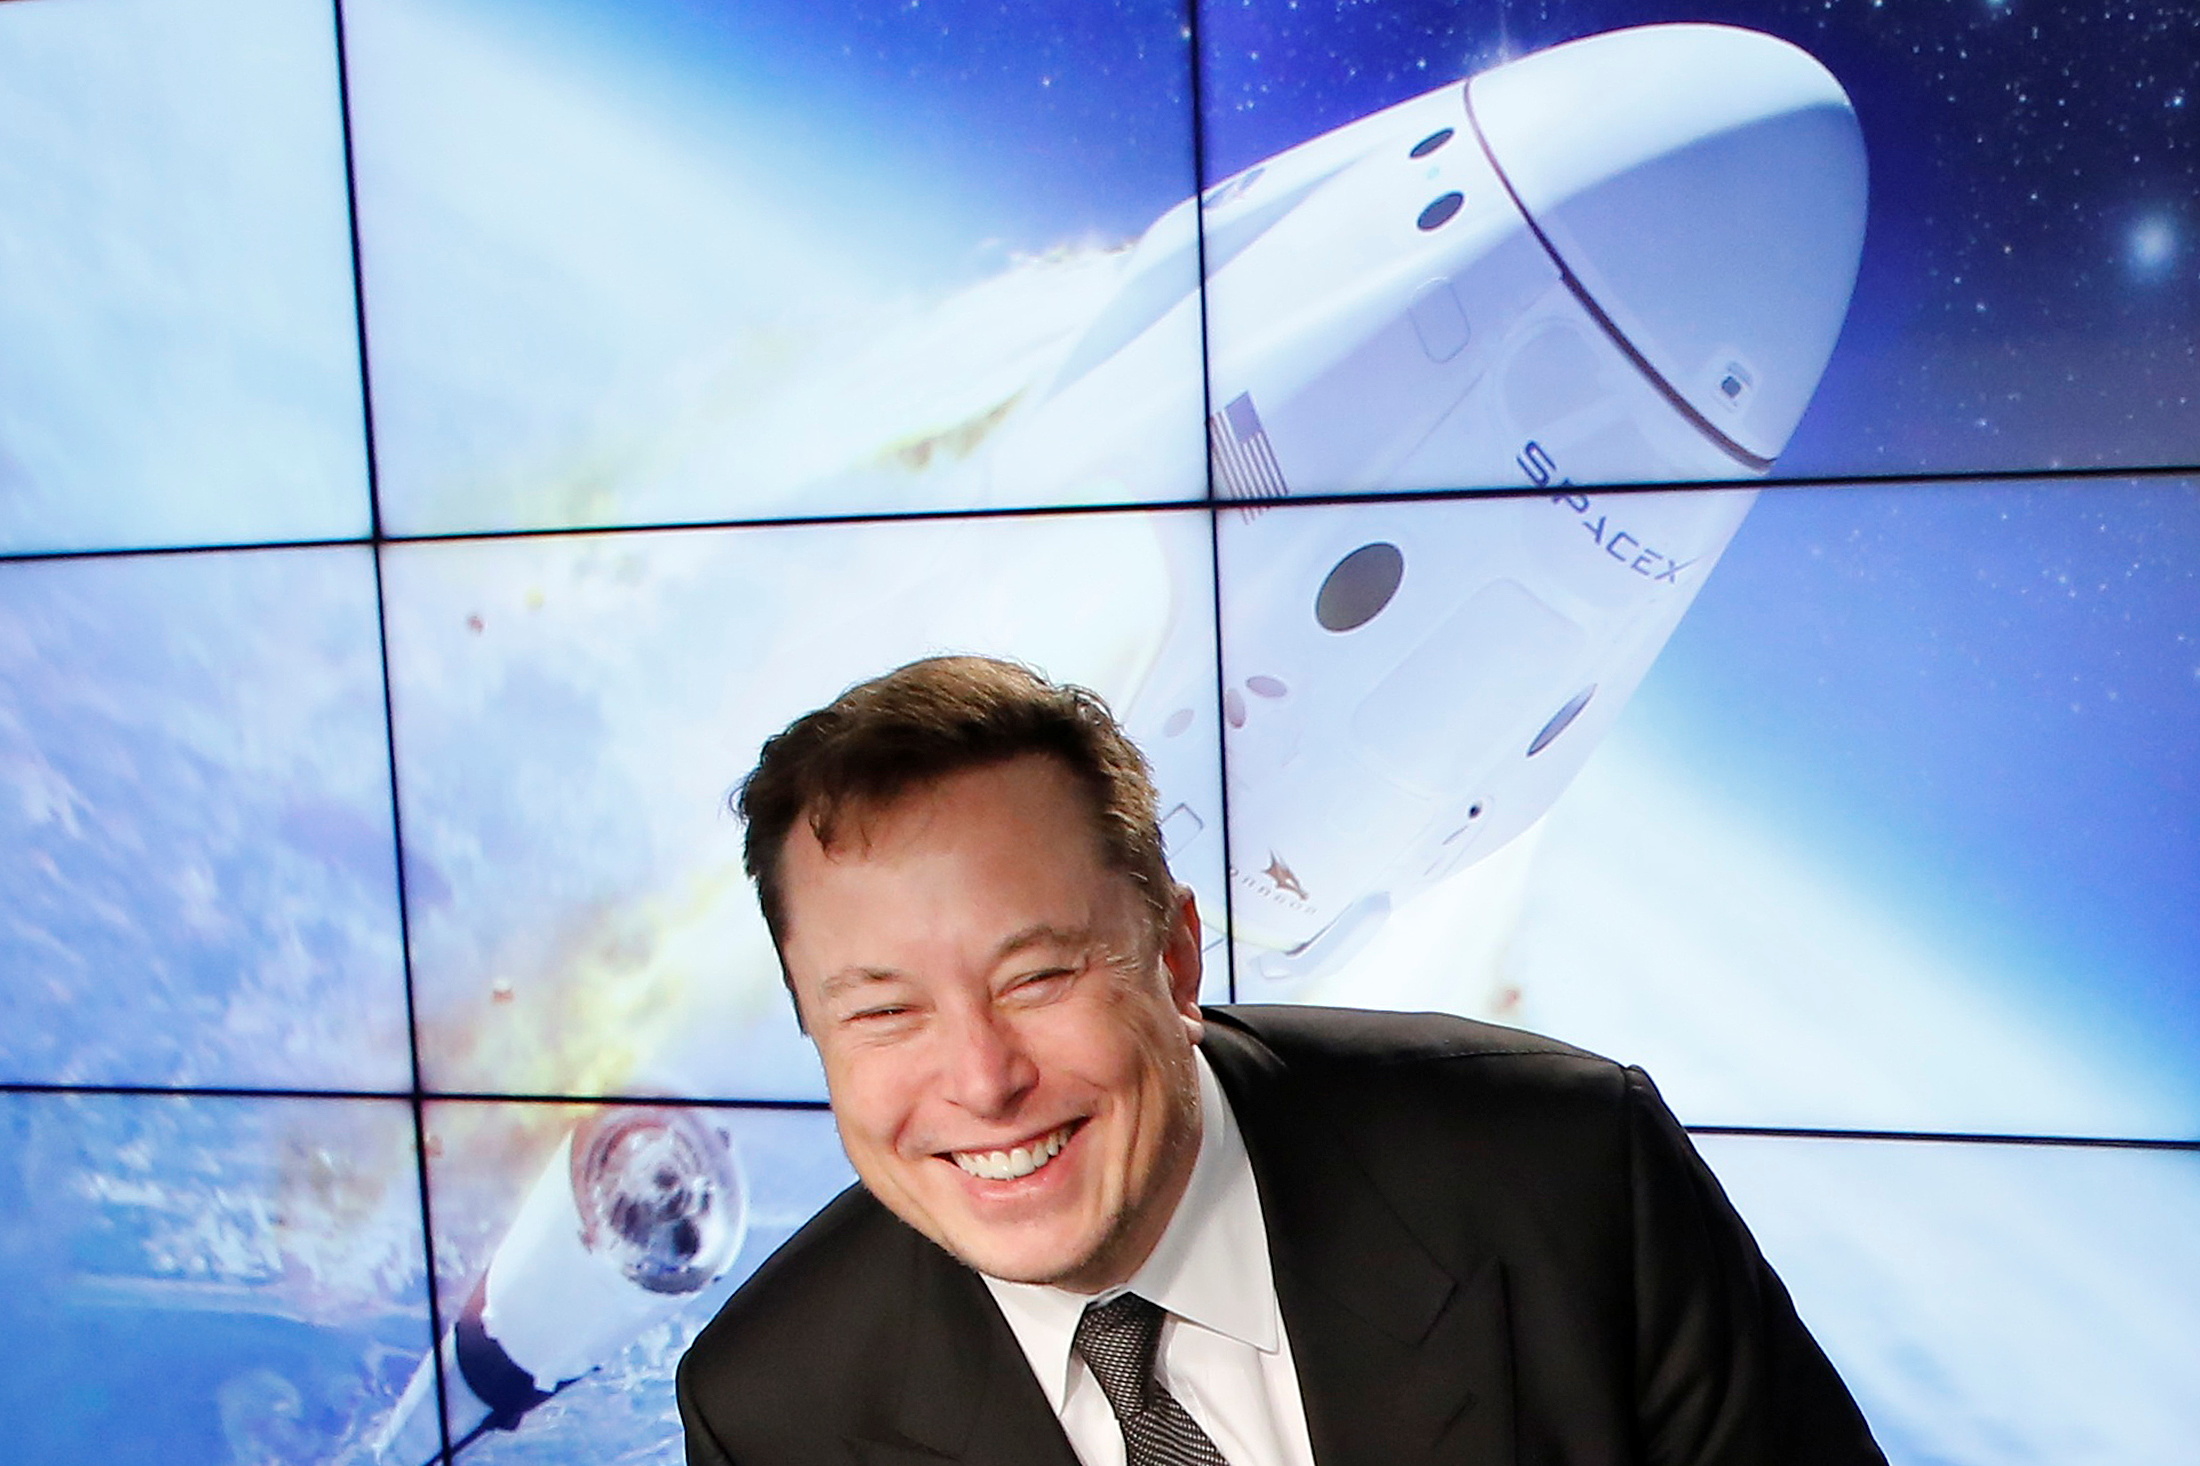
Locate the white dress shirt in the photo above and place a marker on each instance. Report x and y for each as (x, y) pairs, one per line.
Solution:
(1223, 1351)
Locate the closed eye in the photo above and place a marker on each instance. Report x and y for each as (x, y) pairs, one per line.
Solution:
(1040, 987)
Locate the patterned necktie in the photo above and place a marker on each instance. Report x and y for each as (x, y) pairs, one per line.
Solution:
(1118, 1341)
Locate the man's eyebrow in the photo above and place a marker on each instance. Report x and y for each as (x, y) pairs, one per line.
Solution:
(850, 977)
(1038, 934)
(1042, 934)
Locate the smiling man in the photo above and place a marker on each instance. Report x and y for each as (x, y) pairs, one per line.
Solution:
(1096, 1223)
(1008, 1039)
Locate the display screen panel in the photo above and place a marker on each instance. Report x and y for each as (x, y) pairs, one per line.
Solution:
(1904, 789)
(573, 712)
(197, 864)
(179, 359)
(646, 263)
(529, 1248)
(1670, 242)
(206, 1279)
(1860, 807)
(1989, 1303)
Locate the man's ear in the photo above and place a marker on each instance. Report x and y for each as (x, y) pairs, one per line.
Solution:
(1180, 957)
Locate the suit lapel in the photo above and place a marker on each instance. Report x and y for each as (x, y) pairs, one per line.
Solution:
(966, 1392)
(1399, 1359)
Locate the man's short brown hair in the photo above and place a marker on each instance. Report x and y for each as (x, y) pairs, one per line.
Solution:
(884, 738)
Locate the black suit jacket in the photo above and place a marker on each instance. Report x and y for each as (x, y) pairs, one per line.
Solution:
(1488, 1248)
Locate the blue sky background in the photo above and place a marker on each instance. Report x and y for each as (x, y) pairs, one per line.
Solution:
(196, 862)
(178, 357)
(674, 264)
(1984, 700)
(934, 138)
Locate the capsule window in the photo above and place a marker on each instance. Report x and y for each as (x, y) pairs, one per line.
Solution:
(1439, 212)
(1561, 720)
(1430, 143)
(1359, 587)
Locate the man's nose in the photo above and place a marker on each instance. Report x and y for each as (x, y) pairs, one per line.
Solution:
(989, 1071)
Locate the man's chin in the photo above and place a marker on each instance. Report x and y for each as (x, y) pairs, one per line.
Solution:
(1057, 1266)
(1054, 1241)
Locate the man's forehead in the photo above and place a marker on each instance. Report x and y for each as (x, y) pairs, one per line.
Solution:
(860, 831)
(1013, 843)
(1033, 789)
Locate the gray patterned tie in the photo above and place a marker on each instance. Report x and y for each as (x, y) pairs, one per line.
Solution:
(1118, 1341)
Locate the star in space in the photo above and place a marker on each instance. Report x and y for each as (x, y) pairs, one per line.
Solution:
(2151, 247)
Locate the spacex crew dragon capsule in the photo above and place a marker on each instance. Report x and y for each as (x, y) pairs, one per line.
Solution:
(1623, 260)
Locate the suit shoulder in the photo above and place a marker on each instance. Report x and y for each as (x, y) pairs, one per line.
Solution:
(1310, 1039)
(783, 1342)
(1499, 1094)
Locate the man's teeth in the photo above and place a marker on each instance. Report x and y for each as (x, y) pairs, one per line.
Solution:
(1007, 1165)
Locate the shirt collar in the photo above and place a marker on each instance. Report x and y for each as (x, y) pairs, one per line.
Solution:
(1210, 1267)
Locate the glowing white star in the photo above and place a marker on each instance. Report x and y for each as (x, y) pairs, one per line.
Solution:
(2151, 245)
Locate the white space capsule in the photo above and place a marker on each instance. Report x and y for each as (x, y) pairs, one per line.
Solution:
(639, 1209)
(1621, 260)
(1634, 251)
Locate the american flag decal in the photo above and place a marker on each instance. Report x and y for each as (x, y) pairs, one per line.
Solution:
(1237, 446)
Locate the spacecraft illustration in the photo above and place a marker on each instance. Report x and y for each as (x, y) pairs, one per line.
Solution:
(639, 1209)
(1623, 260)
(1620, 261)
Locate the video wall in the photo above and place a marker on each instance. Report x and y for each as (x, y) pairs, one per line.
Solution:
(1675, 526)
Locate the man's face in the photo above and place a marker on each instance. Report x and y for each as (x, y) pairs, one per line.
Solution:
(1007, 1042)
